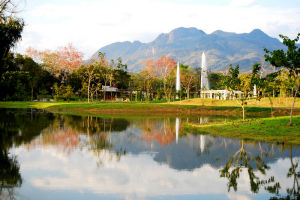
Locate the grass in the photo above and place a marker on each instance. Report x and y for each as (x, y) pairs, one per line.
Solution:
(179, 108)
(264, 102)
(263, 129)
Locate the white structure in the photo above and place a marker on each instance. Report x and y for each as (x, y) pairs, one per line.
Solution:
(109, 89)
(254, 91)
(177, 129)
(221, 94)
(214, 94)
(204, 76)
(178, 78)
(202, 143)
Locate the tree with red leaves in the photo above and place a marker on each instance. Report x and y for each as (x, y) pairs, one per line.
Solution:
(62, 61)
(163, 69)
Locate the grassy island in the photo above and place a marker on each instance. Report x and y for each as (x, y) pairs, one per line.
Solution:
(264, 129)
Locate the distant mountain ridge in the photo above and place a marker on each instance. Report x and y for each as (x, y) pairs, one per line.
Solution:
(187, 44)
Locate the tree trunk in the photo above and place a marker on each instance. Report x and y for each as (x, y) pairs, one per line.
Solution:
(292, 108)
(271, 103)
(104, 91)
(89, 89)
(243, 112)
(188, 93)
(148, 94)
(31, 93)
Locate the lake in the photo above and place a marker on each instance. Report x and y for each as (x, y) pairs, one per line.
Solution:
(56, 156)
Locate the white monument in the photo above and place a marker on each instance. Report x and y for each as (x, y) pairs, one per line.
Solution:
(214, 94)
(204, 75)
(177, 80)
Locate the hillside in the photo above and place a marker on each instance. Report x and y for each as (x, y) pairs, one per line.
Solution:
(187, 45)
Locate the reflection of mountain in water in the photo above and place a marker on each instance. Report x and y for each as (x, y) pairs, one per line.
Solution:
(192, 151)
(153, 135)
(111, 138)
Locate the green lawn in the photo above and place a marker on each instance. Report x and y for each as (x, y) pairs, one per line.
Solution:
(136, 108)
(264, 129)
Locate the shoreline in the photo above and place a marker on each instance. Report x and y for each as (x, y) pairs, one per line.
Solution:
(262, 129)
(149, 109)
(259, 126)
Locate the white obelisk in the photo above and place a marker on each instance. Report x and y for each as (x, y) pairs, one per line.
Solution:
(204, 76)
(177, 80)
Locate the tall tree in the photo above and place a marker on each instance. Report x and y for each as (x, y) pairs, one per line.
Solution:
(289, 59)
(164, 68)
(149, 76)
(11, 28)
(61, 61)
(188, 79)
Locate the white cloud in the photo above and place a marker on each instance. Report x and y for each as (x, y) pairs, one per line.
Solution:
(133, 177)
(241, 3)
(93, 24)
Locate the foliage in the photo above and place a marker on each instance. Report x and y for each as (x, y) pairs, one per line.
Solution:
(289, 59)
(245, 83)
(187, 78)
(242, 160)
(62, 61)
(10, 29)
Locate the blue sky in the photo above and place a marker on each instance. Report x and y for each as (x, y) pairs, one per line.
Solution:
(91, 24)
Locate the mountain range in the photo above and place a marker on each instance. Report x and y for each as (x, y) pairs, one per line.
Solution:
(187, 44)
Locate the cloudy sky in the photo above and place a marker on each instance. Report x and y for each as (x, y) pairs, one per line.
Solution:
(92, 24)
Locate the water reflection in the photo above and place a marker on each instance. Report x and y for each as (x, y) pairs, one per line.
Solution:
(292, 192)
(69, 133)
(243, 160)
(16, 128)
(10, 176)
(84, 157)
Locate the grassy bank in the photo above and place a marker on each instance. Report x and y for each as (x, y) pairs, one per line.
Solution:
(277, 102)
(264, 129)
(153, 109)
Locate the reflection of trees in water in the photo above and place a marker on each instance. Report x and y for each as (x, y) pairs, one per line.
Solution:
(17, 127)
(10, 176)
(254, 165)
(161, 130)
(20, 126)
(294, 173)
(68, 133)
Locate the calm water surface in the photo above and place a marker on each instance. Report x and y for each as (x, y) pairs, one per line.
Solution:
(52, 156)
